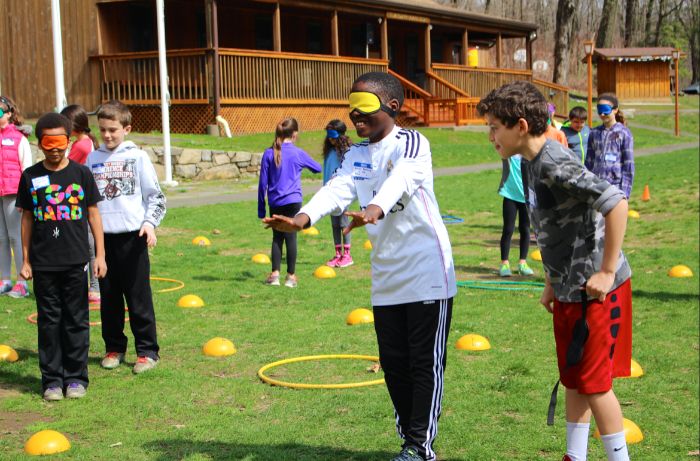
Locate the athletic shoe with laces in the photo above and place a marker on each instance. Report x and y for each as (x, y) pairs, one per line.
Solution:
(524, 269)
(290, 281)
(345, 261)
(75, 391)
(334, 261)
(273, 280)
(5, 288)
(144, 364)
(408, 454)
(52, 394)
(504, 271)
(112, 360)
(20, 290)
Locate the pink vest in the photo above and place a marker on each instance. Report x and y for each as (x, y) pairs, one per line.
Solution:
(10, 165)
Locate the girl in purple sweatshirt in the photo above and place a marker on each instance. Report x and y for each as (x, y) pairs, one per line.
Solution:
(280, 180)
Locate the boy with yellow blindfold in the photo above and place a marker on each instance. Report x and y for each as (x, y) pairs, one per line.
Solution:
(413, 279)
(59, 198)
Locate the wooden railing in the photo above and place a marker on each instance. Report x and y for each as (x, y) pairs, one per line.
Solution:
(557, 94)
(249, 76)
(478, 82)
(133, 77)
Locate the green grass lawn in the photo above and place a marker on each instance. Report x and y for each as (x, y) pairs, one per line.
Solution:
(197, 408)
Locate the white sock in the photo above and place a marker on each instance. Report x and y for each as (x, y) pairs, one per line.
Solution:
(616, 446)
(577, 440)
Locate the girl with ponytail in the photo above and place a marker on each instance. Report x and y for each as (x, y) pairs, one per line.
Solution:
(280, 181)
(610, 153)
(85, 142)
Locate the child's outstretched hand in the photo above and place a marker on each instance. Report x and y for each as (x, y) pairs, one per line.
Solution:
(26, 271)
(369, 215)
(150, 234)
(285, 223)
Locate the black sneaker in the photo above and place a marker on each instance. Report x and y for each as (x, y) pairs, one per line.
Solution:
(408, 454)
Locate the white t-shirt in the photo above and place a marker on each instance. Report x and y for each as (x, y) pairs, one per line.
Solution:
(411, 252)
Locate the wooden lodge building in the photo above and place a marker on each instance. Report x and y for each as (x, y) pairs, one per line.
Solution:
(256, 61)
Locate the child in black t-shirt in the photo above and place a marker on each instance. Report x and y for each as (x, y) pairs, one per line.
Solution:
(59, 198)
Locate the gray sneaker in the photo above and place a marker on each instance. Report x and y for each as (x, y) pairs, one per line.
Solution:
(53, 394)
(112, 360)
(75, 391)
(144, 364)
(290, 281)
(408, 454)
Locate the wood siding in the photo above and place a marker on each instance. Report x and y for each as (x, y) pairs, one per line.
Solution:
(635, 80)
(26, 72)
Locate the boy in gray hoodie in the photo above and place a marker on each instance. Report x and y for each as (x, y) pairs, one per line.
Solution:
(132, 207)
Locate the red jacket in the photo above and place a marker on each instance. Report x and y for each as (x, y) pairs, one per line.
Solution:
(10, 165)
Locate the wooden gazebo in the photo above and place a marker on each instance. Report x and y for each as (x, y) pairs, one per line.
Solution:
(634, 73)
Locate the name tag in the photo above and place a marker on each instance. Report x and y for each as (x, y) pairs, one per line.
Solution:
(8, 142)
(362, 171)
(40, 181)
(611, 158)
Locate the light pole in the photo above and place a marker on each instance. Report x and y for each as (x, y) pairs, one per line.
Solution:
(676, 56)
(588, 48)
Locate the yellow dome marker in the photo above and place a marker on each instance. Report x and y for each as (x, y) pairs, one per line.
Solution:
(201, 241)
(632, 432)
(260, 259)
(680, 271)
(536, 255)
(636, 370)
(633, 214)
(473, 342)
(310, 231)
(218, 347)
(360, 315)
(190, 301)
(46, 442)
(367, 245)
(324, 272)
(8, 354)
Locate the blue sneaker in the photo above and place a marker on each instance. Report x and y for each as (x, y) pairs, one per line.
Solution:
(408, 454)
(504, 271)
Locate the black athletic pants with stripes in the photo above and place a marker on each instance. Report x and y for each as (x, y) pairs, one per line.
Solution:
(412, 342)
(128, 277)
(63, 324)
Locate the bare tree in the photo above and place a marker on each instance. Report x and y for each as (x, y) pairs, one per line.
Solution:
(689, 17)
(665, 10)
(608, 24)
(649, 23)
(566, 19)
(631, 22)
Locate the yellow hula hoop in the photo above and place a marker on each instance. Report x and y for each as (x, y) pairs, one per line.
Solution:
(179, 285)
(275, 382)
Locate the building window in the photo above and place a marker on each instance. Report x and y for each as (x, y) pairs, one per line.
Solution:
(263, 32)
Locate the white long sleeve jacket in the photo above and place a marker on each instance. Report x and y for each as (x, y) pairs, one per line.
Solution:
(128, 184)
(411, 252)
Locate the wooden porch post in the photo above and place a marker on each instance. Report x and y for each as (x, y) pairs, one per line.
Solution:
(385, 39)
(465, 47)
(499, 51)
(335, 43)
(428, 53)
(215, 45)
(528, 48)
(277, 29)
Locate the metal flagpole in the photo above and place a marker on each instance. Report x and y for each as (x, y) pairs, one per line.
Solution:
(164, 93)
(58, 56)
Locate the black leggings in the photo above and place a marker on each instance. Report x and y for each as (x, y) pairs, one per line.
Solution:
(510, 209)
(288, 238)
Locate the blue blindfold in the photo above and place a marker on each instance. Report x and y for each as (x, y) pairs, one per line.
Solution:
(333, 134)
(604, 109)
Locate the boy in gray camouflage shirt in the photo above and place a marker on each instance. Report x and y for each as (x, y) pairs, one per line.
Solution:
(580, 222)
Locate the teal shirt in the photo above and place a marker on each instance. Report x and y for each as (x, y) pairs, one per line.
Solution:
(512, 181)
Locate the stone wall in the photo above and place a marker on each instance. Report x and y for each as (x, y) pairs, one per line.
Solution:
(198, 164)
(206, 164)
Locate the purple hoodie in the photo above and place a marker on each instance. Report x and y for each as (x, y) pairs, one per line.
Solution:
(283, 184)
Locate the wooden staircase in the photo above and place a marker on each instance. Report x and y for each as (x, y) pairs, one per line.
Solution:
(444, 105)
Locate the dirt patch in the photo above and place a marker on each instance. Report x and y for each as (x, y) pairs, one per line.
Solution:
(14, 423)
